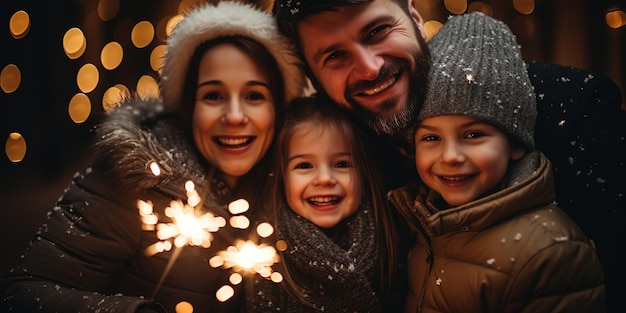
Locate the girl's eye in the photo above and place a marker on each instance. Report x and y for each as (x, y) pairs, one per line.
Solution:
(344, 164)
(303, 165)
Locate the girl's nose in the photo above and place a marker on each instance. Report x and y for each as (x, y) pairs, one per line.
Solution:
(324, 177)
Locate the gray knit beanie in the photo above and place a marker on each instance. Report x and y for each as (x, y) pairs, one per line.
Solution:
(478, 71)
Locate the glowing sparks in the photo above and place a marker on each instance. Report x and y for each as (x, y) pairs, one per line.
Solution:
(188, 227)
(154, 167)
(247, 257)
(188, 224)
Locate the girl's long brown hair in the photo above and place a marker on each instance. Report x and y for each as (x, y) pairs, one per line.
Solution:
(321, 112)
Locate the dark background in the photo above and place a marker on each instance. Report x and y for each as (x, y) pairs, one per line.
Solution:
(568, 32)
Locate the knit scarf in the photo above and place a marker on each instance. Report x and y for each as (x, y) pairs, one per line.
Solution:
(334, 272)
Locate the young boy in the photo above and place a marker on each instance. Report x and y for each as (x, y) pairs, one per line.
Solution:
(489, 237)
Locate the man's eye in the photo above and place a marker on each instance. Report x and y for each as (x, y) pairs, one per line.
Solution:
(377, 31)
(335, 55)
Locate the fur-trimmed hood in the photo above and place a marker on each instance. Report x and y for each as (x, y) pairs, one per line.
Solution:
(227, 18)
(137, 135)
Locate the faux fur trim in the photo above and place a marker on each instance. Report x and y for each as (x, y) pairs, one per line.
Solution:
(227, 18)
(127, 147)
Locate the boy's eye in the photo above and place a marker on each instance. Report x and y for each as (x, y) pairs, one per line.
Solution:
(474, 134)
(430, 138)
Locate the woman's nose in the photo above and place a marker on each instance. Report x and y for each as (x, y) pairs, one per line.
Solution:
(234, 114)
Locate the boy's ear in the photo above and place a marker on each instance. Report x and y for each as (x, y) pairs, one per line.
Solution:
(518, 153)
(417, 18)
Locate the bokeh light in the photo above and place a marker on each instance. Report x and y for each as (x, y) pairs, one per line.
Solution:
(15, 147)
(113, 95)
(479, 6)
(107, 9)
(224, 293)
(524, 6)
(156, 57)
(79, 108)
(74, 43)
(87, 78)
(142, 34)
(455, 6)
(265, 230)
(184, 307)
(147, 86)
(432, 27)
(10, 78)
(171, 23)
(615, 18)
(19, 24)
(111, 55)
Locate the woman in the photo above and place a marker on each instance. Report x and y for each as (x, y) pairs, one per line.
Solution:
(226, 75)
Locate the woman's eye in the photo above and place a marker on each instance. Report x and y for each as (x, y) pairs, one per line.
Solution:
(255, 96)
(344, 164)
(211, 96)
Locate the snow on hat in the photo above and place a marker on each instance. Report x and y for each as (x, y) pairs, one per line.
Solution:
(478, 71)
(227, 18)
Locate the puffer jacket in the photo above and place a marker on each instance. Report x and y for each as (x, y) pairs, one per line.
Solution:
(511, 251)
(90, 256)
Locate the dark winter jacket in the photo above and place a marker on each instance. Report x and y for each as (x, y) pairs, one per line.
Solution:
(511, 251)
(89, 256)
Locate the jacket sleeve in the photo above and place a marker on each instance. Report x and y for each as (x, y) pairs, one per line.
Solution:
(563, 277)
(86, 238)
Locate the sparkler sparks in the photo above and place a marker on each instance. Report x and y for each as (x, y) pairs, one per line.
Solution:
(190, 225)
(247, 257)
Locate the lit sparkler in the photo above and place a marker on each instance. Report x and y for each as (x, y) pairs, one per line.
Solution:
(188, 227)
(191, 226)
(245, 256)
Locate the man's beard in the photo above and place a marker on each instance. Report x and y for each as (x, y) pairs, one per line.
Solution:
(404, 119)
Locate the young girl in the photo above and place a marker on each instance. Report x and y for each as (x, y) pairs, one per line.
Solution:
(330, 211)
(489, 235)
